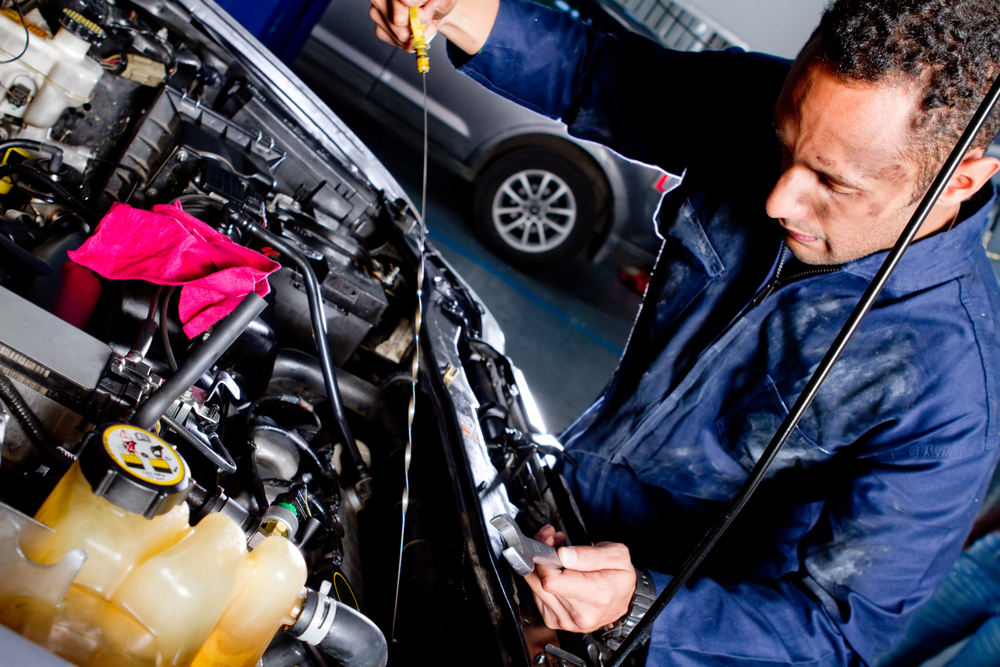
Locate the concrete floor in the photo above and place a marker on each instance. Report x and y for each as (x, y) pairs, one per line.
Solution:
(565, 326)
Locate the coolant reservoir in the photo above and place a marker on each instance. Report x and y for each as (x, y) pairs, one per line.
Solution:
(153, 592)
(84, 629)
(182, 593)
(263, 606)
(99, 505)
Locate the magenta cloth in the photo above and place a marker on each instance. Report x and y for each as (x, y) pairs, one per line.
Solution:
(166, 246)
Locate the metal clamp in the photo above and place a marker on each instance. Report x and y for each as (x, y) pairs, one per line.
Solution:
(322, 620)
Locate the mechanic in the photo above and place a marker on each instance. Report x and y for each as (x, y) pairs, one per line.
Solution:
(799, 176)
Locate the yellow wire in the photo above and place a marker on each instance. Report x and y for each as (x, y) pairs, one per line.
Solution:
(336, 589)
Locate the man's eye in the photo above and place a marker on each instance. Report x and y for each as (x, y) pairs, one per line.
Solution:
(833, 187)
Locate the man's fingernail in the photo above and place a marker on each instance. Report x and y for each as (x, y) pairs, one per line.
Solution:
(567, 555)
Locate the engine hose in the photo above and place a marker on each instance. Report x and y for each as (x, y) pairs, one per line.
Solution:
(302, 368)
(39, 179)
(140, 348)
(225, 334)
(315, 299)
(55, 153)
(165, 330)
(400, 378)
(339, 631)
(37, 433)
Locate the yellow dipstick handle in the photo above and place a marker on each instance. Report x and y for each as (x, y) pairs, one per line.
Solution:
(419, 42)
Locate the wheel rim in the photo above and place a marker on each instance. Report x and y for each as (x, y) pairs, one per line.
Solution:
(534, 211)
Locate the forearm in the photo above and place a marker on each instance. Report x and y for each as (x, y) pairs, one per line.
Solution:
(468, 26)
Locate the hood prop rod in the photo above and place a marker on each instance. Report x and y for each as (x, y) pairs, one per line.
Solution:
(643, 629)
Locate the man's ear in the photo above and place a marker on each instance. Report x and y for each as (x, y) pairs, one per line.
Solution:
(971, 175)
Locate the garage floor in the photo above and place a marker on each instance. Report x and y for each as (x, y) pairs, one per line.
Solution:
(566, 326)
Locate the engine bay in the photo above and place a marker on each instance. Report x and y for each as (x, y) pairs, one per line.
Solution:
(287, 418)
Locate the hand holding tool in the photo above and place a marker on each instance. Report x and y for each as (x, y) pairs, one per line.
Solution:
(523, 552)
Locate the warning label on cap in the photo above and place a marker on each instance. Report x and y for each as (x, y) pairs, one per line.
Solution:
(144, 455)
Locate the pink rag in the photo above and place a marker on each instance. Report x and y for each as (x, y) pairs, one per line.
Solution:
(169, 247)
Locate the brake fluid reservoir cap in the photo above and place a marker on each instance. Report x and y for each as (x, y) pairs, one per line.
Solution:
(134, 469)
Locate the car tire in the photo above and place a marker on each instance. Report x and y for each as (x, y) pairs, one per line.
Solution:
(535, 207)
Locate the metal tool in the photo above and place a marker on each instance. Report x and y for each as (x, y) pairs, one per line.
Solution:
(420, 45)
(523, 552)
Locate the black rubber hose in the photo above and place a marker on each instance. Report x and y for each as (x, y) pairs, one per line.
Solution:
(39, 179)
(302, 368)
(401, 378)
(148, 329)
(34, 429)
(225, 334)
(350, 638)
(644, 628)
(165, 330)
(55, 153)
(315, 298)
(355, 640)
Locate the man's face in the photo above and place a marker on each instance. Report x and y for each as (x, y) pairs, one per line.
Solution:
(845, 189)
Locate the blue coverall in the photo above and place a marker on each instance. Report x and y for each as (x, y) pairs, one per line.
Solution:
(869, 502)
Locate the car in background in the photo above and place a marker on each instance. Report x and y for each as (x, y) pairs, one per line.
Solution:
(540, 196)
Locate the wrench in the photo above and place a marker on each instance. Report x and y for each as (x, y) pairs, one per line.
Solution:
(523, 552)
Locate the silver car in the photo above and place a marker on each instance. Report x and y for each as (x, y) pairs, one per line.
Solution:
(540, 196)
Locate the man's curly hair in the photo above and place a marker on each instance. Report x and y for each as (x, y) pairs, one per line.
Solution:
(950, 47)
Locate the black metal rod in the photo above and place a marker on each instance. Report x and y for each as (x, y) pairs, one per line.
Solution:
(225, 334)
(643, 629)
(315, 298)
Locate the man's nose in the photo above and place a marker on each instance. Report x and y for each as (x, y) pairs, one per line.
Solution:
(787, 200)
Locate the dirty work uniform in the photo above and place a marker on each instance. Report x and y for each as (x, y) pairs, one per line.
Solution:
(868, 504)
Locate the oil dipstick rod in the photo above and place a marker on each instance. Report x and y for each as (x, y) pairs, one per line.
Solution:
(423, 66)
(643, 629)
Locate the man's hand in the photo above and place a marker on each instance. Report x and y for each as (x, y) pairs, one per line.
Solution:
(594, 590)
(467, 25)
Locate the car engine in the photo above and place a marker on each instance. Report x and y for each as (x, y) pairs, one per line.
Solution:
(237, 497)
